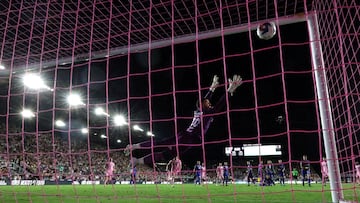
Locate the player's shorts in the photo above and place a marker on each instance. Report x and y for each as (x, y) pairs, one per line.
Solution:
(295, 177)
(220, 177)
(109, 173)
(175, 172)
(250, 175)
(305, 172)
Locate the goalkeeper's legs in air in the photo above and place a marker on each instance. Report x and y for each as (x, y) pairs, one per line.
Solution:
(165, 153)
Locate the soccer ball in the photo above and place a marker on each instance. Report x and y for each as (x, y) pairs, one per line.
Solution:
(266, 30)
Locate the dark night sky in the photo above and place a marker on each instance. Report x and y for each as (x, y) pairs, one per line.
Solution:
(269, 91)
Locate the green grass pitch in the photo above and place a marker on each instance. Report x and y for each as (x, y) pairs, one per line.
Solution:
(166, 193)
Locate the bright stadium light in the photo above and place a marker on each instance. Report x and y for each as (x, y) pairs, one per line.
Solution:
(60, 123)
(102, 136)
(119, 120)
(35, 82)
(74, 100)
(137, 128)
(150, 134)
(26, 113)
(84, 130)
(118, 141)
(100, 111)
(2, 67)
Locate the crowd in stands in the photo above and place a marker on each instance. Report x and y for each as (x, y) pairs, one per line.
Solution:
(48, 157)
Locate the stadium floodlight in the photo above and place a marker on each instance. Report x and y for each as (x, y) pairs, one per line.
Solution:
(119, 120)
(103, 136)
(137, 128)
(100, 111)
(150, 134)
(74, 100)
(2, 67)
(60, 123)
(27, 113)
(35, 82)
(84, 130)
(118, 141)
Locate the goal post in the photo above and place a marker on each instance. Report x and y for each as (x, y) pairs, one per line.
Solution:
(323, 100)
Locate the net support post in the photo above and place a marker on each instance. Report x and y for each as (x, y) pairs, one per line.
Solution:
(323, 99)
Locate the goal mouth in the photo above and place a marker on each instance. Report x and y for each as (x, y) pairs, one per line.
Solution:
(99, 95)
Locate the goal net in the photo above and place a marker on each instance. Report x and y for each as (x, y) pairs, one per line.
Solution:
(99, 97)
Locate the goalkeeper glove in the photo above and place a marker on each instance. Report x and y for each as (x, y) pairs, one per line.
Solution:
(214, 83)
(234, 83)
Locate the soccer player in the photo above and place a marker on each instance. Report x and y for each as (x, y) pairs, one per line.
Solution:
(197, 170)
(203, 173)
(324, 170)
(281, 172)
(226, 174)
(249, 173)
(295, 174)
(109, 171)
(261, 173)
(194, 132)
(357, 170)
(133, 172)
(269, 173)
(219, 173)
(305, 170)
(175, 168)
(169, 168)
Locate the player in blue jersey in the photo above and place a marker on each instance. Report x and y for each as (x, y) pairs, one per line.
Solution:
(226, 174)
(249, 173)
(269, 173)
(281, 172)
(261, 173)
(133, 172)
(305, 170)
(193, 134)
(198, 171)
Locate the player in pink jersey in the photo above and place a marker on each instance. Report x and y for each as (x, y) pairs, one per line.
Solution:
(219, 173)
(177, 165)
(203, 173)
(324, 170)
(357, 170)
(109, 171)
(173, 169)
